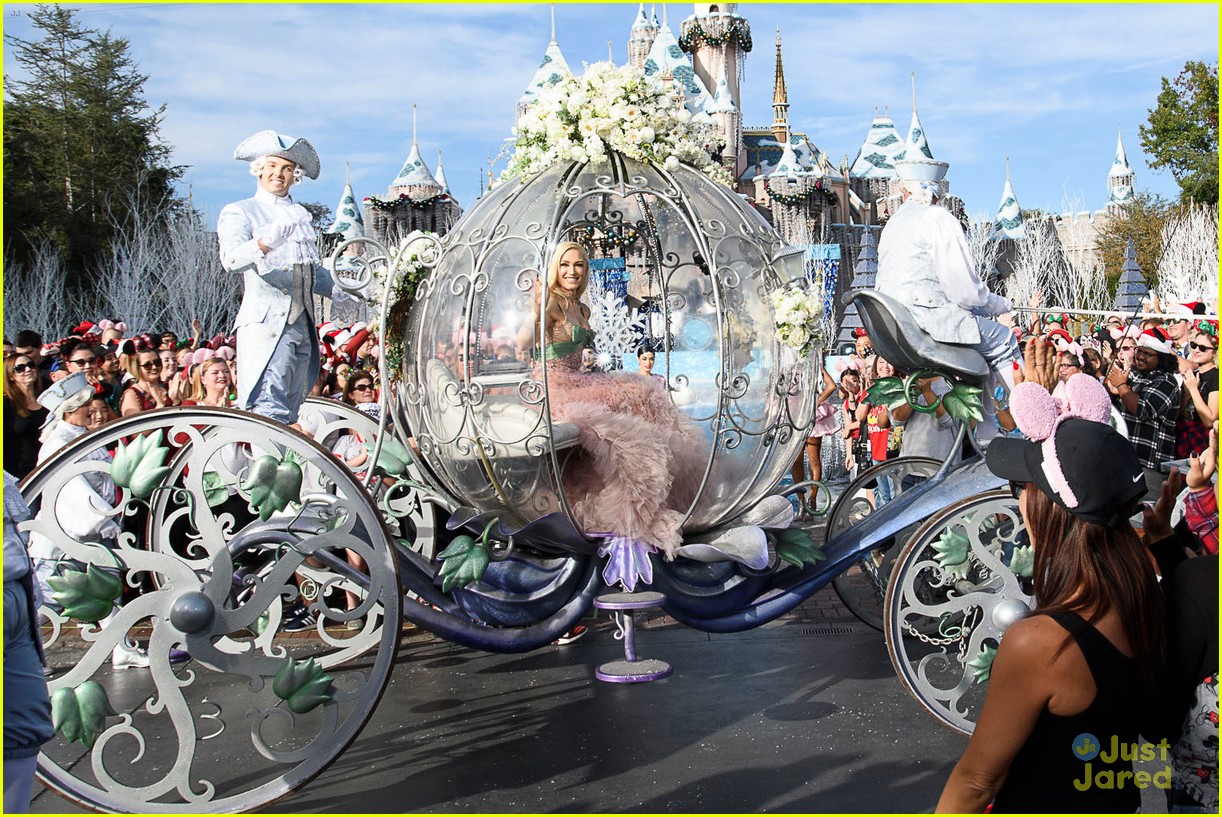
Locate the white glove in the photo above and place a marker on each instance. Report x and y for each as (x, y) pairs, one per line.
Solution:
(273, 235)
(109, 530)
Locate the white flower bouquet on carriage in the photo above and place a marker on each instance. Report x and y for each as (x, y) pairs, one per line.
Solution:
(799, 319)
(611, 108)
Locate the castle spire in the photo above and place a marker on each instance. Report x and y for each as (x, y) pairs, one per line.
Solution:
(780, 98)
(553, 39)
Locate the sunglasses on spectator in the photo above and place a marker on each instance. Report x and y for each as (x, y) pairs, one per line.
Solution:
(84, 361)
(1070, 366)
(22, 367)
(363, 387)
(151, 365)
(1016, 488)
(1191, 344)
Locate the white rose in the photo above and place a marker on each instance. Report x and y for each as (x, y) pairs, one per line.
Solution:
(671, 163)
(646, 135)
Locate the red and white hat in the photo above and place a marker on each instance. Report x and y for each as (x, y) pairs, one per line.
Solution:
(1155, 339)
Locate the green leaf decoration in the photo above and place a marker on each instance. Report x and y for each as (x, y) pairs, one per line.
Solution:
(963, 402)
(1022, 561)
(982, 665)
(797, 546)
(888, 391)
(79, 713)
(950, 551)
(215, 489)
(87, 596)
(394, 459)
(139, 465)
(303, 685)
(462, 563)
(273, 484)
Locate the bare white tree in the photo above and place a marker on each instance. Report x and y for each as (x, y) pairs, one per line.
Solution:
(1188, 270)
(202, 290)
(38, 297)
(1036, 264)
(985, 248)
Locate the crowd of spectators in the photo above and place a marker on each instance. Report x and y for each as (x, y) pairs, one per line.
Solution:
(135, 373)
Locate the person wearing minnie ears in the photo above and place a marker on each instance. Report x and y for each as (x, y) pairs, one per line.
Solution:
(268, 238)
(924, 262)
(1074, 683)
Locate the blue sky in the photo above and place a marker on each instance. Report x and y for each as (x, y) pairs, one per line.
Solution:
(1046, 85)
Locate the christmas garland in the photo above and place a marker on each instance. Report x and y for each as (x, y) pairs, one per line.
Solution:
(624, 236)
(415, 204)
(791, 199)
(736, 29)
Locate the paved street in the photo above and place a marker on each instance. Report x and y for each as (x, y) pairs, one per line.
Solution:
(802, 715)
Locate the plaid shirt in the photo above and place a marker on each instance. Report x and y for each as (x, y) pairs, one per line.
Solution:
(1152, 428)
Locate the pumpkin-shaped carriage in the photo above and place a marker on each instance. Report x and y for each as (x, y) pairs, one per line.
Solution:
(478, 515)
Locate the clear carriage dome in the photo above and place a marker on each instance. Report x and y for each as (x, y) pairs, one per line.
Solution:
(518, 410)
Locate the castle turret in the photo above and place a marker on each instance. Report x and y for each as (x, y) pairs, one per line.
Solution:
(717, 38)
(1009, 221)
(640, 39)
(1120, 178)
(415, 200)
(728, 120)
(666, 58)
(348, 221)
(780, 98)
(551, 70)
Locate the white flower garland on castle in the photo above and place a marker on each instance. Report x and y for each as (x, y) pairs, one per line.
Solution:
(610, 108)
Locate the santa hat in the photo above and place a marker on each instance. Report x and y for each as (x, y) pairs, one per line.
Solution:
(354, 343)
(1178, 312)
(1155, 339)
(327, 328)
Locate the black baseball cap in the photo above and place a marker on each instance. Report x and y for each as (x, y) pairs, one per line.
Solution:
(1099, 466)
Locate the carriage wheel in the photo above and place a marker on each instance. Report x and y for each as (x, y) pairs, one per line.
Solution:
(409, 514)
(963, 578)
(253, 714)
(863, 585)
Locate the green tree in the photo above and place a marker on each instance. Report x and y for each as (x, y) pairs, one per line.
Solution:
(79, 138)
(1183, 131)
(1142, 221)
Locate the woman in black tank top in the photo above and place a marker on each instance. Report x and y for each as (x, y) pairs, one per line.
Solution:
(1058, 731)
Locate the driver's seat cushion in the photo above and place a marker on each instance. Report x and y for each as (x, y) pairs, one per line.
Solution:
(902, 343)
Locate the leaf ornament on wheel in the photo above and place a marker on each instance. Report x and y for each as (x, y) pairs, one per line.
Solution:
(982, 664)
(303, 685)
(79, 712)
(139, 465)
(887, 390)
(394, 458)
(796, 546)
(462, 563)
(273, 483)
(963, 402)
(88, 596)
(1022, 561)
(950, 551)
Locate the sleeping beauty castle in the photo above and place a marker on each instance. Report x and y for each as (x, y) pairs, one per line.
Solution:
(833, 209)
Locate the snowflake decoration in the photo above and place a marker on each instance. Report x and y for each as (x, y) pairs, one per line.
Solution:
(617, 332)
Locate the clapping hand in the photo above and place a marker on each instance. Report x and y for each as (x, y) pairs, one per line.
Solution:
(1039, 364)
(1201, 468)
(1156, 520)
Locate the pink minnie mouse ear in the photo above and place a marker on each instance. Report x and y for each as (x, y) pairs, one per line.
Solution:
(1088, 398)
(1034, 410)
(201, 354)
(225, 353)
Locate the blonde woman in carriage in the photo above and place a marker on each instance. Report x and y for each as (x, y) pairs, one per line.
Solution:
(636, 471)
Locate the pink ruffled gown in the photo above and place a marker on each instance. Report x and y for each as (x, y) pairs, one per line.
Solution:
(640, 460)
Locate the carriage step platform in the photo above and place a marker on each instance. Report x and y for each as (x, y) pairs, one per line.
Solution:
(631, 670)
